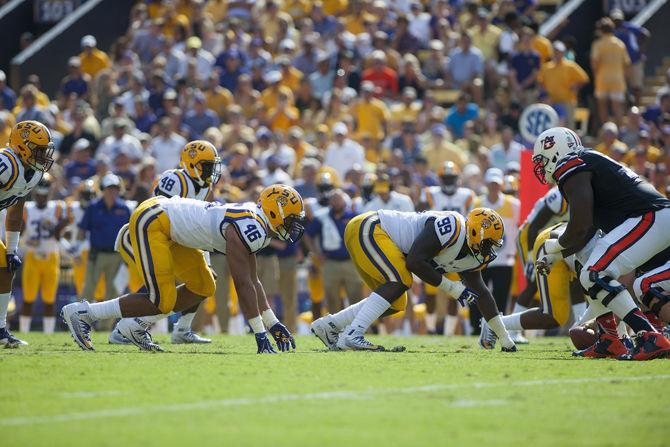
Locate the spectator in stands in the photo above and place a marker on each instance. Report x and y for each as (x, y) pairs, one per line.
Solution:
(120, 141)
(322, 79)
(403, 39)
(343, 153)
(200, 118)
(609, 61)
(81, 166)
(384, 78)
(166, 146)
(466, 68)
(77, 132)
(439, 149)
(630, 131)
(7, 95)
(459, 113)
(231, 69)
(136, 89)
(149, 42)
(562, 79)
(274, 172)
(540, 44)
(643, 147)
(93, 60)
(30, 110)
(324, 24)
(305, 61)
(306, 184)
(655, 113)
(524, 68)
(635, 38)
(506, 151)
(370, 113)
(76, 81)
(407, 141)
(609, 133)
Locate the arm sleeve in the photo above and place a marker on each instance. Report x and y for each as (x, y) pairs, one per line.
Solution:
(170, 184)
(447, 228)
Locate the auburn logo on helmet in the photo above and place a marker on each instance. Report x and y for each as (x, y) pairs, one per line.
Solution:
(548, 142)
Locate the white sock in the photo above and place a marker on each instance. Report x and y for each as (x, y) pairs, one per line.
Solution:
(4, 303)
(512, 322)
(153, 318)
(24, 323)
(501, 331)
(518, 308)
(184, 322)
(431, 322)
(373, 308)
(48, 325)
(344, 317)
(105, 309)
(622, 329)
(450, 323)
(578, 310)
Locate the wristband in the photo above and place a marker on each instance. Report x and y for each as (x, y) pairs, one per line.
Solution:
(12, 241)
(454, 289)
(256, 324)
(269, 318)
(553, 246)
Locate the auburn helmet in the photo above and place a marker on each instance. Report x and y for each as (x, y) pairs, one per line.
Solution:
(284, 208)
(552, 145)
(31, 141)
(201, 161)
(449, 174)
(484, 233)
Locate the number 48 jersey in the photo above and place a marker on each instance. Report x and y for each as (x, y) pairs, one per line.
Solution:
(176, 182)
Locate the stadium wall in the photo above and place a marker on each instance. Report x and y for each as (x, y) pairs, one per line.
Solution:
(48, 55)
(15, 19)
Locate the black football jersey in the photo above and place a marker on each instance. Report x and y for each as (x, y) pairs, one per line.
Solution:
(618, 192)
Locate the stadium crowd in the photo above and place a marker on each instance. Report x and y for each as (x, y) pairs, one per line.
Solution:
(358, 104)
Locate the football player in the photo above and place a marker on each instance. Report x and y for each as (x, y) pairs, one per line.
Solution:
(44, 220)
(386, 198)
(168, 237)
(652, 288)
(388, 247)
(28, 156)
(200, 170)
(449, 196)
(632, 214)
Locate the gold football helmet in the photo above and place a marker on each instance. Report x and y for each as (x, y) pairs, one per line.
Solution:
(484, 233)
(31, 141)
(43, 187)
(285, 211)
(201, 161)
(450, 175)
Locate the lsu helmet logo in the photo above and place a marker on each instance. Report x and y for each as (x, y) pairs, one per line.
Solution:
(548, 142)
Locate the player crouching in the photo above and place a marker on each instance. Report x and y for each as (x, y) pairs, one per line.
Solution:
(387, 247)
(168, 237)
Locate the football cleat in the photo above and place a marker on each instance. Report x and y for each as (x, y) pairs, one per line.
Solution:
(325, 330)
(180, 337)
(356, 342)
(79, 321)
(607, 346)
(9, 341)
(487, 338)
(518, 338)
(510, 349)
(137, 331)
(116, 338)
(648, 346)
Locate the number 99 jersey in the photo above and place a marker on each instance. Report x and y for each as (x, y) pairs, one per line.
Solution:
(13, 184)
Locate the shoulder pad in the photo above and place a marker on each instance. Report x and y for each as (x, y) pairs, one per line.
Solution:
(568, 165)
(172, 183)
(9, 169)
(250, 228)
(447, 228)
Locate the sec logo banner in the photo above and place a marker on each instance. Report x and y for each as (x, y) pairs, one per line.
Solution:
(535, 119)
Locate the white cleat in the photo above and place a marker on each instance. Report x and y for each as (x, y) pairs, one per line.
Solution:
(116, 338)
(325, 330)
(137, 331)
(79, 321)
(487, 338)
(518, 338)
(9, 341)
(355, 341)
(180, 337)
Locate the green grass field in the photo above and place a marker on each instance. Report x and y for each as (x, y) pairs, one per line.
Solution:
(439, 392)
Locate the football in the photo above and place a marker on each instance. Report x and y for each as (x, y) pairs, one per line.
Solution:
(582, 337)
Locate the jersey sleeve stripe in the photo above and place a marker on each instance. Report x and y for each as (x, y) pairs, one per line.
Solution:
(15, 170)
(568, 166)
(454, 235)
(564, 206)
(182, 182)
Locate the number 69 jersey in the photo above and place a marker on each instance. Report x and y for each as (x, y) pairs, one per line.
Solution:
(13, 184)
(202, 225)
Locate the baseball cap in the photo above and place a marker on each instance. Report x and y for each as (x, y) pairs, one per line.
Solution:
(616, 14)
(74, 61)
(193, 42)
(493, 175)
(88, 41)
(80, 145)
(610, 127)
(340, 129)
(110, 180)
(367, 86)
(559, 46)
(272, 77)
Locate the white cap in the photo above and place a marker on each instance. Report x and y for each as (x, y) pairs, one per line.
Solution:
(272, 76)
(3, 76)
(493, 175)
(88, 41)
(340, 129)
(110, 180)
(610, 127)
(80, 145)
(559, 46)
(287, 44)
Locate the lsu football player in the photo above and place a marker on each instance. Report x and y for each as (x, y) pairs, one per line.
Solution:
(168, 237)
(200, 169)
(388, 247)
(44, 221)
(449, 196)
(28, 156)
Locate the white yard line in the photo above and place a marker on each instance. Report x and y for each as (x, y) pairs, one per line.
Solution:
(342, 395)
(89, 394)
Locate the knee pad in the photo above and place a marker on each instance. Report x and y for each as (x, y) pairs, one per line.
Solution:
(655, 299)
(595, 282)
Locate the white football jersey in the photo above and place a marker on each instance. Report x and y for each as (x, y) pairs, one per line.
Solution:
(13, 184)
(404, 229)
(176, 182)
(40, 224)
(460, 201)
(202, 225)
(397, 202)
(75, 212)
(553, 200)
